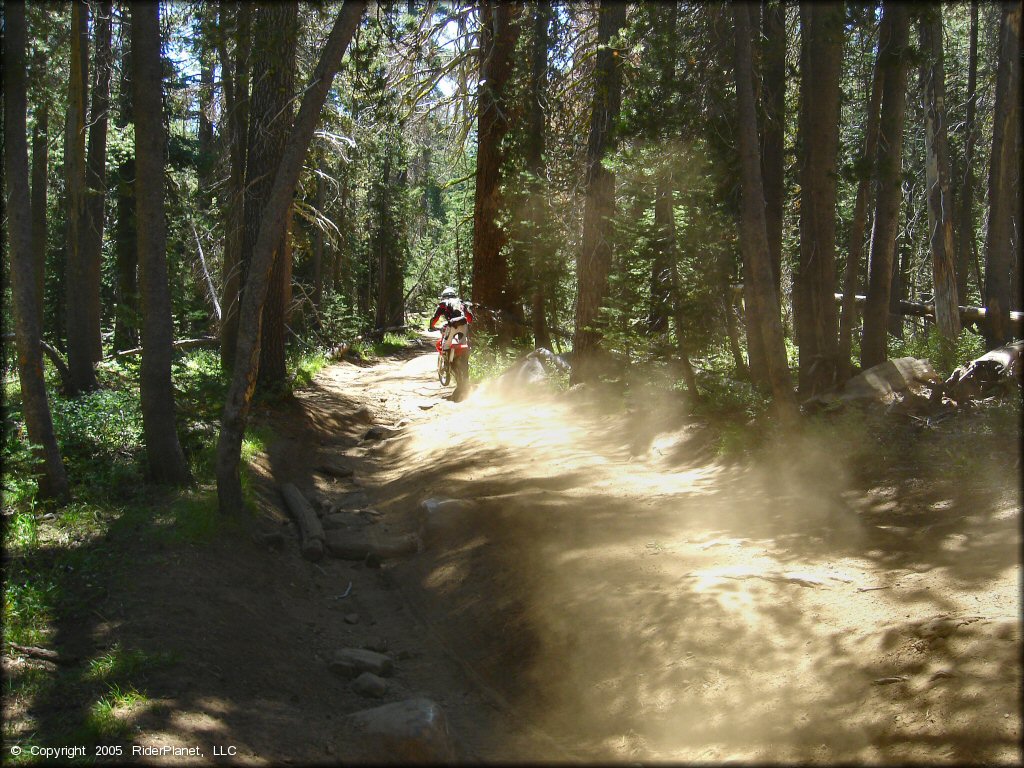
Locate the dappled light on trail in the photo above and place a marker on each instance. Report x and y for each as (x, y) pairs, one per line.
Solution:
(630, 593)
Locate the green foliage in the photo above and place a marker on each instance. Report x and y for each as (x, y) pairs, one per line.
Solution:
(944, 355)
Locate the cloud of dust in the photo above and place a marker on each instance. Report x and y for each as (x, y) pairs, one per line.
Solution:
(641, 598)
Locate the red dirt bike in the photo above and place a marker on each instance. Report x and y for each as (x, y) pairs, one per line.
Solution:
(454, 361)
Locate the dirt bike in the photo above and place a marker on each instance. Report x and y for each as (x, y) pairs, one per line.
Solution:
(454, 361)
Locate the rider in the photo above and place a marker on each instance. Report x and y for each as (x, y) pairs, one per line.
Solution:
(456, 314)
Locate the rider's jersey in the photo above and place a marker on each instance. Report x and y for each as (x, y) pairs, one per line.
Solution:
(450, 308)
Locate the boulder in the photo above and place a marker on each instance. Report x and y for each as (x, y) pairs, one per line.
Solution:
(352, 662)
(370, 685)
(413, 731)
(533, 370)
(887, 383)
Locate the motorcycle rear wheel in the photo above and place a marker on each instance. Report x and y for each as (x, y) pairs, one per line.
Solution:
(444, 371)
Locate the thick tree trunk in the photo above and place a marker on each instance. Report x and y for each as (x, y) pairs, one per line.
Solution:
(492, 290)
(53, 481)
(40, 158)
(966, 244)
(815, 310)
(272, 229)
(773, 98)
(206, 159)
(595, 256)
(937, 174)
(81, 347)
(535, 166)
(96, 180)
(166, 460)
(892, 54)
(855, 247)
(1004, 170)
(235, 76)
(275, 26)
(763, 307)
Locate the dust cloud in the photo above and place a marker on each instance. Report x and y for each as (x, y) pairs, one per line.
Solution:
(636, 595)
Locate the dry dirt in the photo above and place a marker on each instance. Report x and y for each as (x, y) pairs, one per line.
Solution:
(616, 592)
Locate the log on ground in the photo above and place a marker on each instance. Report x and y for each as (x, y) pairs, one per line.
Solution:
(311, 532)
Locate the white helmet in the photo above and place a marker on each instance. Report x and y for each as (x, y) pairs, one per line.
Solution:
(449, 293)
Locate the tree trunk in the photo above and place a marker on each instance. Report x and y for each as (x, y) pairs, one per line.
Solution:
(205, 164)
(96, 180)
(499, 31)
(764, 307)
(814, 307)
(1003, 178)
(81, 348)
(53, 481)
(166, 461)
(937, 174)
(535, 167)
(595, 256)
(272, 229)
(893, 61)
(855, 248)
(235, 76)
(773, 98)
(966, 244)
(40, 179)
(275, 27)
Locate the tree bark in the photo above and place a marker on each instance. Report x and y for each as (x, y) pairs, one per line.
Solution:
(855, 248)
(815, 310)
(53, 481)
(773, 98)
(96, 180)
(499, 31)
(318, 245)
(275, 27)
(235, 76)
(594, 258)
(966, 243)
(764, 306)
(893, 61)
(1003, 178)
(937, 174)
(272, 228)
(166, 460)
(81, 348)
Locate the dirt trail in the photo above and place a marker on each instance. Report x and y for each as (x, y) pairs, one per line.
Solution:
(636, 599)
(614, 593)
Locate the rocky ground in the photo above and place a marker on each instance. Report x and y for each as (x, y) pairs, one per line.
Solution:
(583, 586)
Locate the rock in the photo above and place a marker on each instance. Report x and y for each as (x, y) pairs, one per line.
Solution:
(379, 433)
(369, 685)
(378, 644)
(352, 618)
(334, 468)
(883, 382)
(438, 519)
(415, 730)
(425, 405)
(350, 662)
(362, 414)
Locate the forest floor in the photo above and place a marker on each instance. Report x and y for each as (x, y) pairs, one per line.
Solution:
(617, 590)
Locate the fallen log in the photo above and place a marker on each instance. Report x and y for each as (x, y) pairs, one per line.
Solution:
(311, 532)
(968, 315)
(994, 372)
(42, 654)
(55, 358)
(182, 344)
